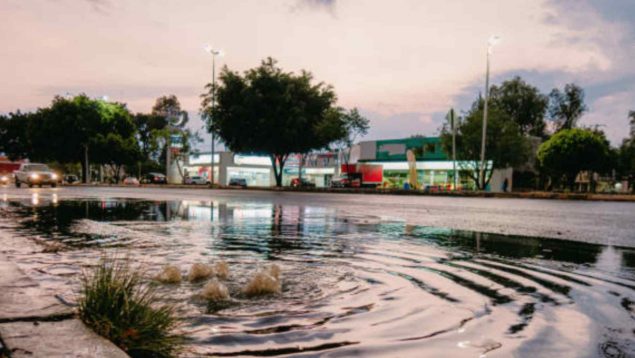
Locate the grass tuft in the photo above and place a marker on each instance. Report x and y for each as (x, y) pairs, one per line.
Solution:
(200, 272)
(116, 304)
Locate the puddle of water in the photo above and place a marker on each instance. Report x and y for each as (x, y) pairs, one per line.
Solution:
(351, 285)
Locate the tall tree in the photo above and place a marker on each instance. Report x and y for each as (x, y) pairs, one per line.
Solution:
(631, 116)
(522, 103)
(572, 151)
(567, 106)
(505, 146)
(71, 128)
(269, 111)
(15, 140)
(355, 126)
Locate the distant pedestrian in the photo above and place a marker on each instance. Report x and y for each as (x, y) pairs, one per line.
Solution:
(505, 185)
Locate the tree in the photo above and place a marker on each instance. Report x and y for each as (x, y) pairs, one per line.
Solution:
(522, 103)
(566, 107)
(355, 125)
(269, 111)
(631, 116)
(571, 151)
(148, 127)
(505, 146)
(71, 128)
(15, 141)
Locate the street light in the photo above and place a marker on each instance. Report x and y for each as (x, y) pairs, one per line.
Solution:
(493, 40)
(214, 53)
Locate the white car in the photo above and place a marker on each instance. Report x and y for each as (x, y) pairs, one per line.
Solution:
(196, 180)
(35, 174)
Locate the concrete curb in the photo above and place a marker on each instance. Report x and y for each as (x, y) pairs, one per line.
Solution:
(33, 324)
(462, 194)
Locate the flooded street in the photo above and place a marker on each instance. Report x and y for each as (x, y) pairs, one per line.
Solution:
(353, 283)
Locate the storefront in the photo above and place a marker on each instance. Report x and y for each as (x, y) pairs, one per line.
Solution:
(199, 164)
(433, 167)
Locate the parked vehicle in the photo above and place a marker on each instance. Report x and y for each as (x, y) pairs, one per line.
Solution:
(363, 175)
(131, 181)
(241, 182)
(340, 182)
(35, 174)
(154, 178)
(71, 179)
(302, 183)
(196, 180)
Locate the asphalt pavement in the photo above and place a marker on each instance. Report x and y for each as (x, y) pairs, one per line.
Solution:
(610, 223)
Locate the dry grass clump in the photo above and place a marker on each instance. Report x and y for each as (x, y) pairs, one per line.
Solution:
(116, 304)
(170, 274)
(265, 282)
(215, 291)
(200, 272)
(222, 270)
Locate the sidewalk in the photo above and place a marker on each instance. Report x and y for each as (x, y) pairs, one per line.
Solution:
(36, 325)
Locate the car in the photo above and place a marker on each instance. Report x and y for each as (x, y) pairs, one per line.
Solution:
(196, 180)
(302, 183)
(35, 174)
(71, 179)
(5, 179)
(131, 181)
(154, 178)
(241, 182)
(340, 182)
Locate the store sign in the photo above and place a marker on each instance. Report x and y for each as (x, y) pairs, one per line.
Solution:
(202, 159)
(176, 141)
(251, 160)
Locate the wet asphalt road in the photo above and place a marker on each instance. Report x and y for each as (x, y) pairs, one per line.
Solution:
(610, 223)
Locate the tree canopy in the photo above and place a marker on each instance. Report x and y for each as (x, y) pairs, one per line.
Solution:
(571, 151)
(267, 110)
(505, 145)
(522, 103)
(567, 106)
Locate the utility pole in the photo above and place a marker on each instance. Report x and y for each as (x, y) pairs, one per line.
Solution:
(214, 53)
(490, 44)
(453, 123)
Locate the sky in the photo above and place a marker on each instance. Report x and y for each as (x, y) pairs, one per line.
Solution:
(403, 63)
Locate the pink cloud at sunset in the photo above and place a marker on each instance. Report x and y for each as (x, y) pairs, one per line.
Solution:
(402, 62)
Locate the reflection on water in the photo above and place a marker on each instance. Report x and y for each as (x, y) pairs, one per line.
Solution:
(351, 285)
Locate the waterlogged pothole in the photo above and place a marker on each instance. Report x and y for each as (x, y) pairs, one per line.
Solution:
(348, 284)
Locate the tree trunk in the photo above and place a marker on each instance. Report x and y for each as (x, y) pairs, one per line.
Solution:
(277, 161)
(85, 166)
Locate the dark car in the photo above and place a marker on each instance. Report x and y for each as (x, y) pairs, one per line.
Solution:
(71, 179)
(302, 183)
(154, 178)
(241, 182)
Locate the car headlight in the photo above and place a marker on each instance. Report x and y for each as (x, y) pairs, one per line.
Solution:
(54, 176)
(4, 178)
(35, 176)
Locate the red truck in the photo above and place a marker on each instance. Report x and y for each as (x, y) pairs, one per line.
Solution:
(360, 175)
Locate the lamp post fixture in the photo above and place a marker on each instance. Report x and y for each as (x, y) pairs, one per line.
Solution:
(214, 53)
(493, 40)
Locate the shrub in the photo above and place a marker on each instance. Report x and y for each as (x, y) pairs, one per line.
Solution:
(118, 306)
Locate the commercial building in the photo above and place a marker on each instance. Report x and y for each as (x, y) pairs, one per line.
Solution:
(318, 168)
(434, 169)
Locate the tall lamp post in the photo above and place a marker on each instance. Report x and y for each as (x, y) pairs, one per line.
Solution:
(214, 53)
(493, 40)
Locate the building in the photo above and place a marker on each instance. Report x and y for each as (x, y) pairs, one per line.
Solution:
(435, 170)
(433, 167)
(318, 168)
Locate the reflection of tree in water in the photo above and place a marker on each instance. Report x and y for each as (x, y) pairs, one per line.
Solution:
(57, 220)
(510, 245)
